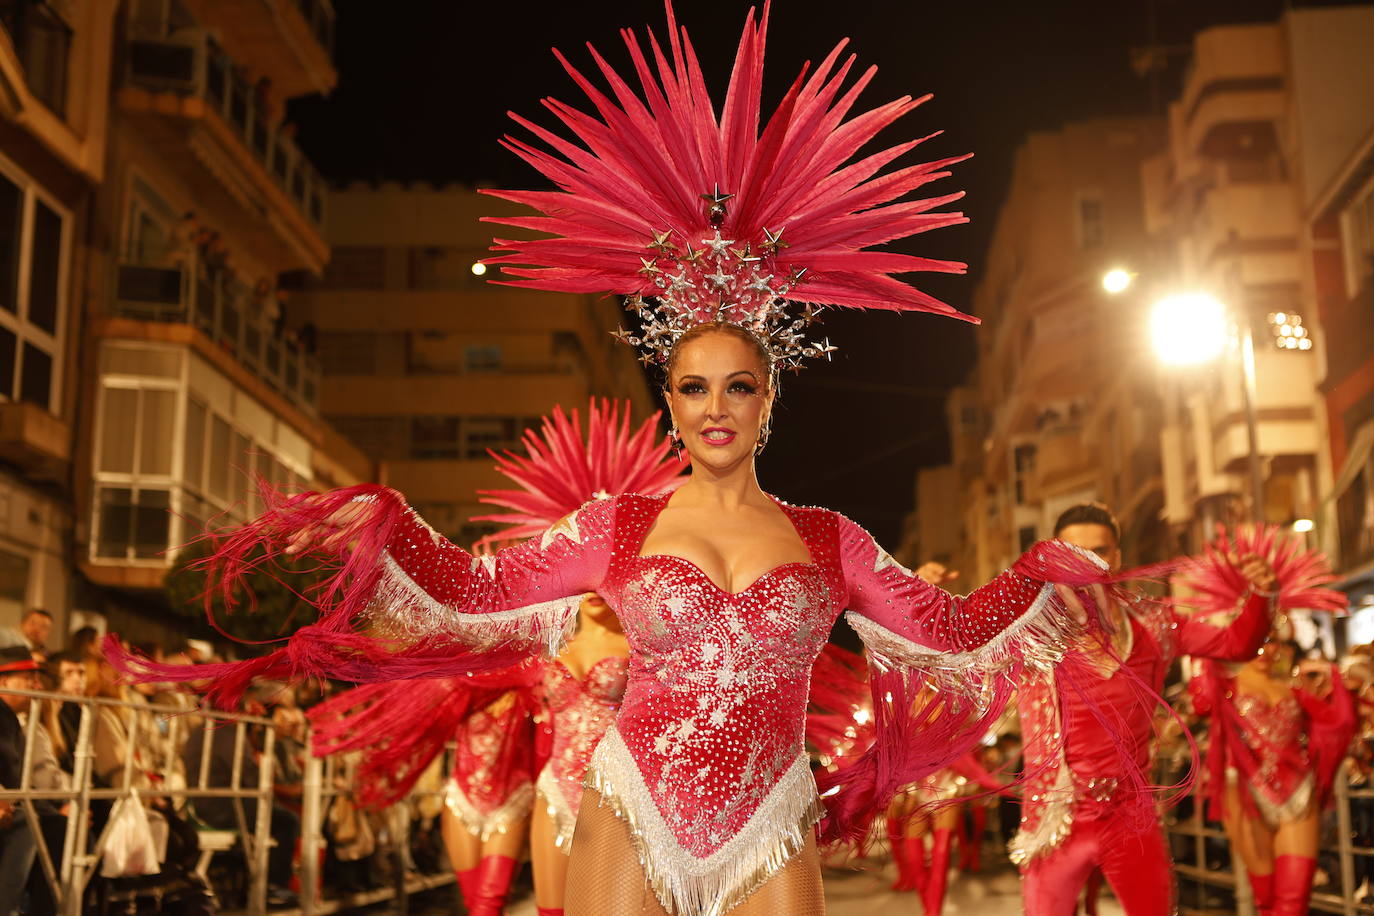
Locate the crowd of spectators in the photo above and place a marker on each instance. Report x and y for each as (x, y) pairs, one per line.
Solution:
(153, 740)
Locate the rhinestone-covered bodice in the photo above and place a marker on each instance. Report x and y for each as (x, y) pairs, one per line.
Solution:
(715, 708)
(581, 711)
(1272, 730)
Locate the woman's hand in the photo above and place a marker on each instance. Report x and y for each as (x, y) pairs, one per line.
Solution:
(331, 534)
(1259, 574)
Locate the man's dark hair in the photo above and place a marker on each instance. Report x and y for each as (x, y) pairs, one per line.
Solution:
(1088, 514)
(66, 655)
(37, 610)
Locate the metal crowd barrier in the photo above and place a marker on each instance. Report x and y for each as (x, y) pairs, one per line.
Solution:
(69, 876)
(1196, 873)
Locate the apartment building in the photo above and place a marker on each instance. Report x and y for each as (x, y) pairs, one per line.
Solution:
(194, 379)
(54, 87)
(427, 364)
(1025, 440)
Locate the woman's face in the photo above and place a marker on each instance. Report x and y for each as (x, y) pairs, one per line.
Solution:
(595, 608)
(719, 399)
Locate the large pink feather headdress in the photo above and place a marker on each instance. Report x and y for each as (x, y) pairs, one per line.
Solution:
(562, 470)
(699, 219)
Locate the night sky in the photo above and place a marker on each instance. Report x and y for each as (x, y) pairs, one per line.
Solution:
(424, 88)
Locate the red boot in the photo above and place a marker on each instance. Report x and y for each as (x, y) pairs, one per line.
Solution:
(493, 883)
(971, 841)
(896, 842)
(915, 848)
(933, 896)
(1262, 889)
(467, 884)
(1292, 884)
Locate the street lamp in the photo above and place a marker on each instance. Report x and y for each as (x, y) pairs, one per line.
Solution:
(1192, 328)
(1117, 280)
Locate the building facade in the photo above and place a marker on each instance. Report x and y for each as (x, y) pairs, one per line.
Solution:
(193, 380)
(55, 62)
(427, 364)
(1042, 423)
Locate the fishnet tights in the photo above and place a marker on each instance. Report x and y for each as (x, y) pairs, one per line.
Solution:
(605, 877)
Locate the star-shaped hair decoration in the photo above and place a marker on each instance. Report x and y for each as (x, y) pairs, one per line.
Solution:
(715, 198)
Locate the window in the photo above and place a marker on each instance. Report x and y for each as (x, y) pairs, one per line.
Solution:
(354, 267)
(167, 461)
(348, 352)
(482, 358)
(135, 524)
(494, 433)
(434, 437)
(152, 234)
(42, 41)
(1025, 538)
(33, 256)
(1023, 460)
(1091, 228)
(1357, 224)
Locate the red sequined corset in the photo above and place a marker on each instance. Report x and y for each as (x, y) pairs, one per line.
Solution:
(706, 761)
(580, 712)
(492, 785)
(1275, 733)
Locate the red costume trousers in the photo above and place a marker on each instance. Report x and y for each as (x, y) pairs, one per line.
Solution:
(1136, 865)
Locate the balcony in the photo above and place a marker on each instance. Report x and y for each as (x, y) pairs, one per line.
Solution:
(289, 41)
(1235, 80)
(35, 441)
(224, 311)
(1248, 218)
(190, 101)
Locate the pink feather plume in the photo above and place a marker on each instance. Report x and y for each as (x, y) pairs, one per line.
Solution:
(639, 166)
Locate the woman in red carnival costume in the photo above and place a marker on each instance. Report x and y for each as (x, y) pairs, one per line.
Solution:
(401, 726)
(700, 798)
(1274, 747)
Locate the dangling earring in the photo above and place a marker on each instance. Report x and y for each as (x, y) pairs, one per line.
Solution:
(765, 431)
(675, 443)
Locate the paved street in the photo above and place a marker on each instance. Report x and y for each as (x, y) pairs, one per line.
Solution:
(865, 892)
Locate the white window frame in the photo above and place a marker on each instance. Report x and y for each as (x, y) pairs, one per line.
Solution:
(176, 482)
(18, 322)
(1355, 233)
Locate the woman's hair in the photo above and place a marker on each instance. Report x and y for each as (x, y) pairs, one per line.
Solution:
(723, 327)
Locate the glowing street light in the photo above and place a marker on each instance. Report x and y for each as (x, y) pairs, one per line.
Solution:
(1303, 525)
(478, 268)
(1116, 280)
(1188, 328)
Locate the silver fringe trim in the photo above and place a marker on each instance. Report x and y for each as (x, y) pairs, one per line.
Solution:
(511, 812)
(687, 885)
(1039, 639)
(549, 793)
(1293, 808)
(408, 612)
(1055, 823)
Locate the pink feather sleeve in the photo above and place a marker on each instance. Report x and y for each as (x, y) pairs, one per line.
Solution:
(400, 600)
(942, 668)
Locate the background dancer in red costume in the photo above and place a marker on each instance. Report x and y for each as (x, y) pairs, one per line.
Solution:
(1275, 746)
(1080, 812)
(401, 726)
(581, 689)
(700, 797)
